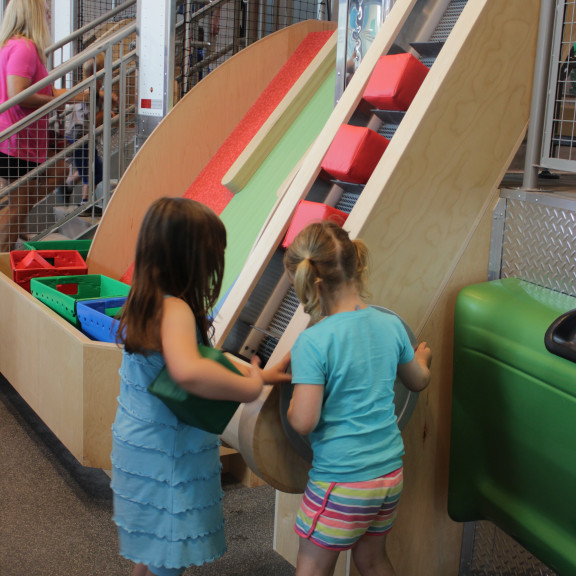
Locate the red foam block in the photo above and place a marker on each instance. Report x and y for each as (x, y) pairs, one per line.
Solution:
(308, 212)
(394, 82)
(354, 153)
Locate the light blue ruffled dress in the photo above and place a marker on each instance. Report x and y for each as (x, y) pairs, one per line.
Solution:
(165, 478)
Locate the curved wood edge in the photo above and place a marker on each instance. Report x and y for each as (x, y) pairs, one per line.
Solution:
(186, 139)
(282, 118)
(274, 457)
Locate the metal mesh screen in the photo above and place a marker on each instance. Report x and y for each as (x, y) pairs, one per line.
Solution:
(278, 324)
(559, 150)
(89, 10)
(448, 20)
(208, 33)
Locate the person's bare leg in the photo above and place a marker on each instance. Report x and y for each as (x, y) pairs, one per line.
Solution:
(4, 216)
(315, 561)
(141, 570)
(16, 214)
(370, 556)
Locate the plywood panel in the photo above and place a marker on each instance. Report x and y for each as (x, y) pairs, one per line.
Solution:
(425, 214)
(101, 363)
(185, 140)
(43, 358)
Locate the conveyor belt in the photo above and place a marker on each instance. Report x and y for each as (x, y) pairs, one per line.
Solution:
(257, 333)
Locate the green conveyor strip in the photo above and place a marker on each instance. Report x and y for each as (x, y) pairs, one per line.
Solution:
(248, 210)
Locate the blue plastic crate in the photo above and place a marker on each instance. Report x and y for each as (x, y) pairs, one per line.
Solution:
(97, 318)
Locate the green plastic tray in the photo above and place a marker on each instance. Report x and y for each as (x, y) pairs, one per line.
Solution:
(61, 293)
(209, 415)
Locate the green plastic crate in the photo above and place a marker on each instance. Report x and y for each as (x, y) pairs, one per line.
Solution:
(210, 415)
(83, 246)
(61, 293)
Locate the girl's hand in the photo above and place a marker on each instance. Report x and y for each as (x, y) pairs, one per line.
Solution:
(255, 372)
(423, 354)
(278, 374)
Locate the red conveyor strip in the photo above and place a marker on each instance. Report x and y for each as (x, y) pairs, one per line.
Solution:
(207, 187)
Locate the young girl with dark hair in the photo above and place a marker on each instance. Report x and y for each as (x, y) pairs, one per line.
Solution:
(166, 474)
(343, 370)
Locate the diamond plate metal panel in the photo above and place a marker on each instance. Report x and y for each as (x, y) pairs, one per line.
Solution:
(540, 245)
(496, 554)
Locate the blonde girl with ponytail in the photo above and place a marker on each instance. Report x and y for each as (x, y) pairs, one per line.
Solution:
(343, 371)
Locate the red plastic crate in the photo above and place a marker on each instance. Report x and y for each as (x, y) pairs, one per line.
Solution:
(394, 82)
(308, 212)
(27, 264)
(354, 153)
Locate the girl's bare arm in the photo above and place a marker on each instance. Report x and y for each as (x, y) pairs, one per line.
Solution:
(190, 370)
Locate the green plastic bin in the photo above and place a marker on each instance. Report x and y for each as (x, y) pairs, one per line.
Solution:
(209, 415)
(83, 246)
(61, 293)
(513, 439)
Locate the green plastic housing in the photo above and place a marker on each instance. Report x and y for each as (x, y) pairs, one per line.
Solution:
(513, 439)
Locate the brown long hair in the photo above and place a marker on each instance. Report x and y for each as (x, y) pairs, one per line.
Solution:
(323, 253)
(179, 252)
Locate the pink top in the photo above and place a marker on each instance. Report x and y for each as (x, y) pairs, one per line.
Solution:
(18, 57)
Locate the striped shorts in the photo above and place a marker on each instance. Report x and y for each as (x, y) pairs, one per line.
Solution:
(335, 516)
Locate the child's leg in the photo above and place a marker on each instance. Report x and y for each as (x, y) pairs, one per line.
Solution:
(315, 561)
(370, 556)
(141, 570)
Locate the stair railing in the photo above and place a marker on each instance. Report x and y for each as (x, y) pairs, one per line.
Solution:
(116, 73)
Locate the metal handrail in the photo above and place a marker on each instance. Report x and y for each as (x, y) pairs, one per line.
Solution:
(62, 153)
(64, 68)
(91, 25)
(104, 45)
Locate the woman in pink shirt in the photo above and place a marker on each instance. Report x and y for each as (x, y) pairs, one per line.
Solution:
(24, 36)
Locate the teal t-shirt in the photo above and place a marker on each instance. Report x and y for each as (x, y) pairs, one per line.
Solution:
(354, 355)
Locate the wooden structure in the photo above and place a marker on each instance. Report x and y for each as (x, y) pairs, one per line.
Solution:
(186, 140)
(426, 215)
(71, 382)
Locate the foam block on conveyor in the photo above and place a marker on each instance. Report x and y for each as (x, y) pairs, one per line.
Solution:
(354, 153)
(307, 212)
(394, 82)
